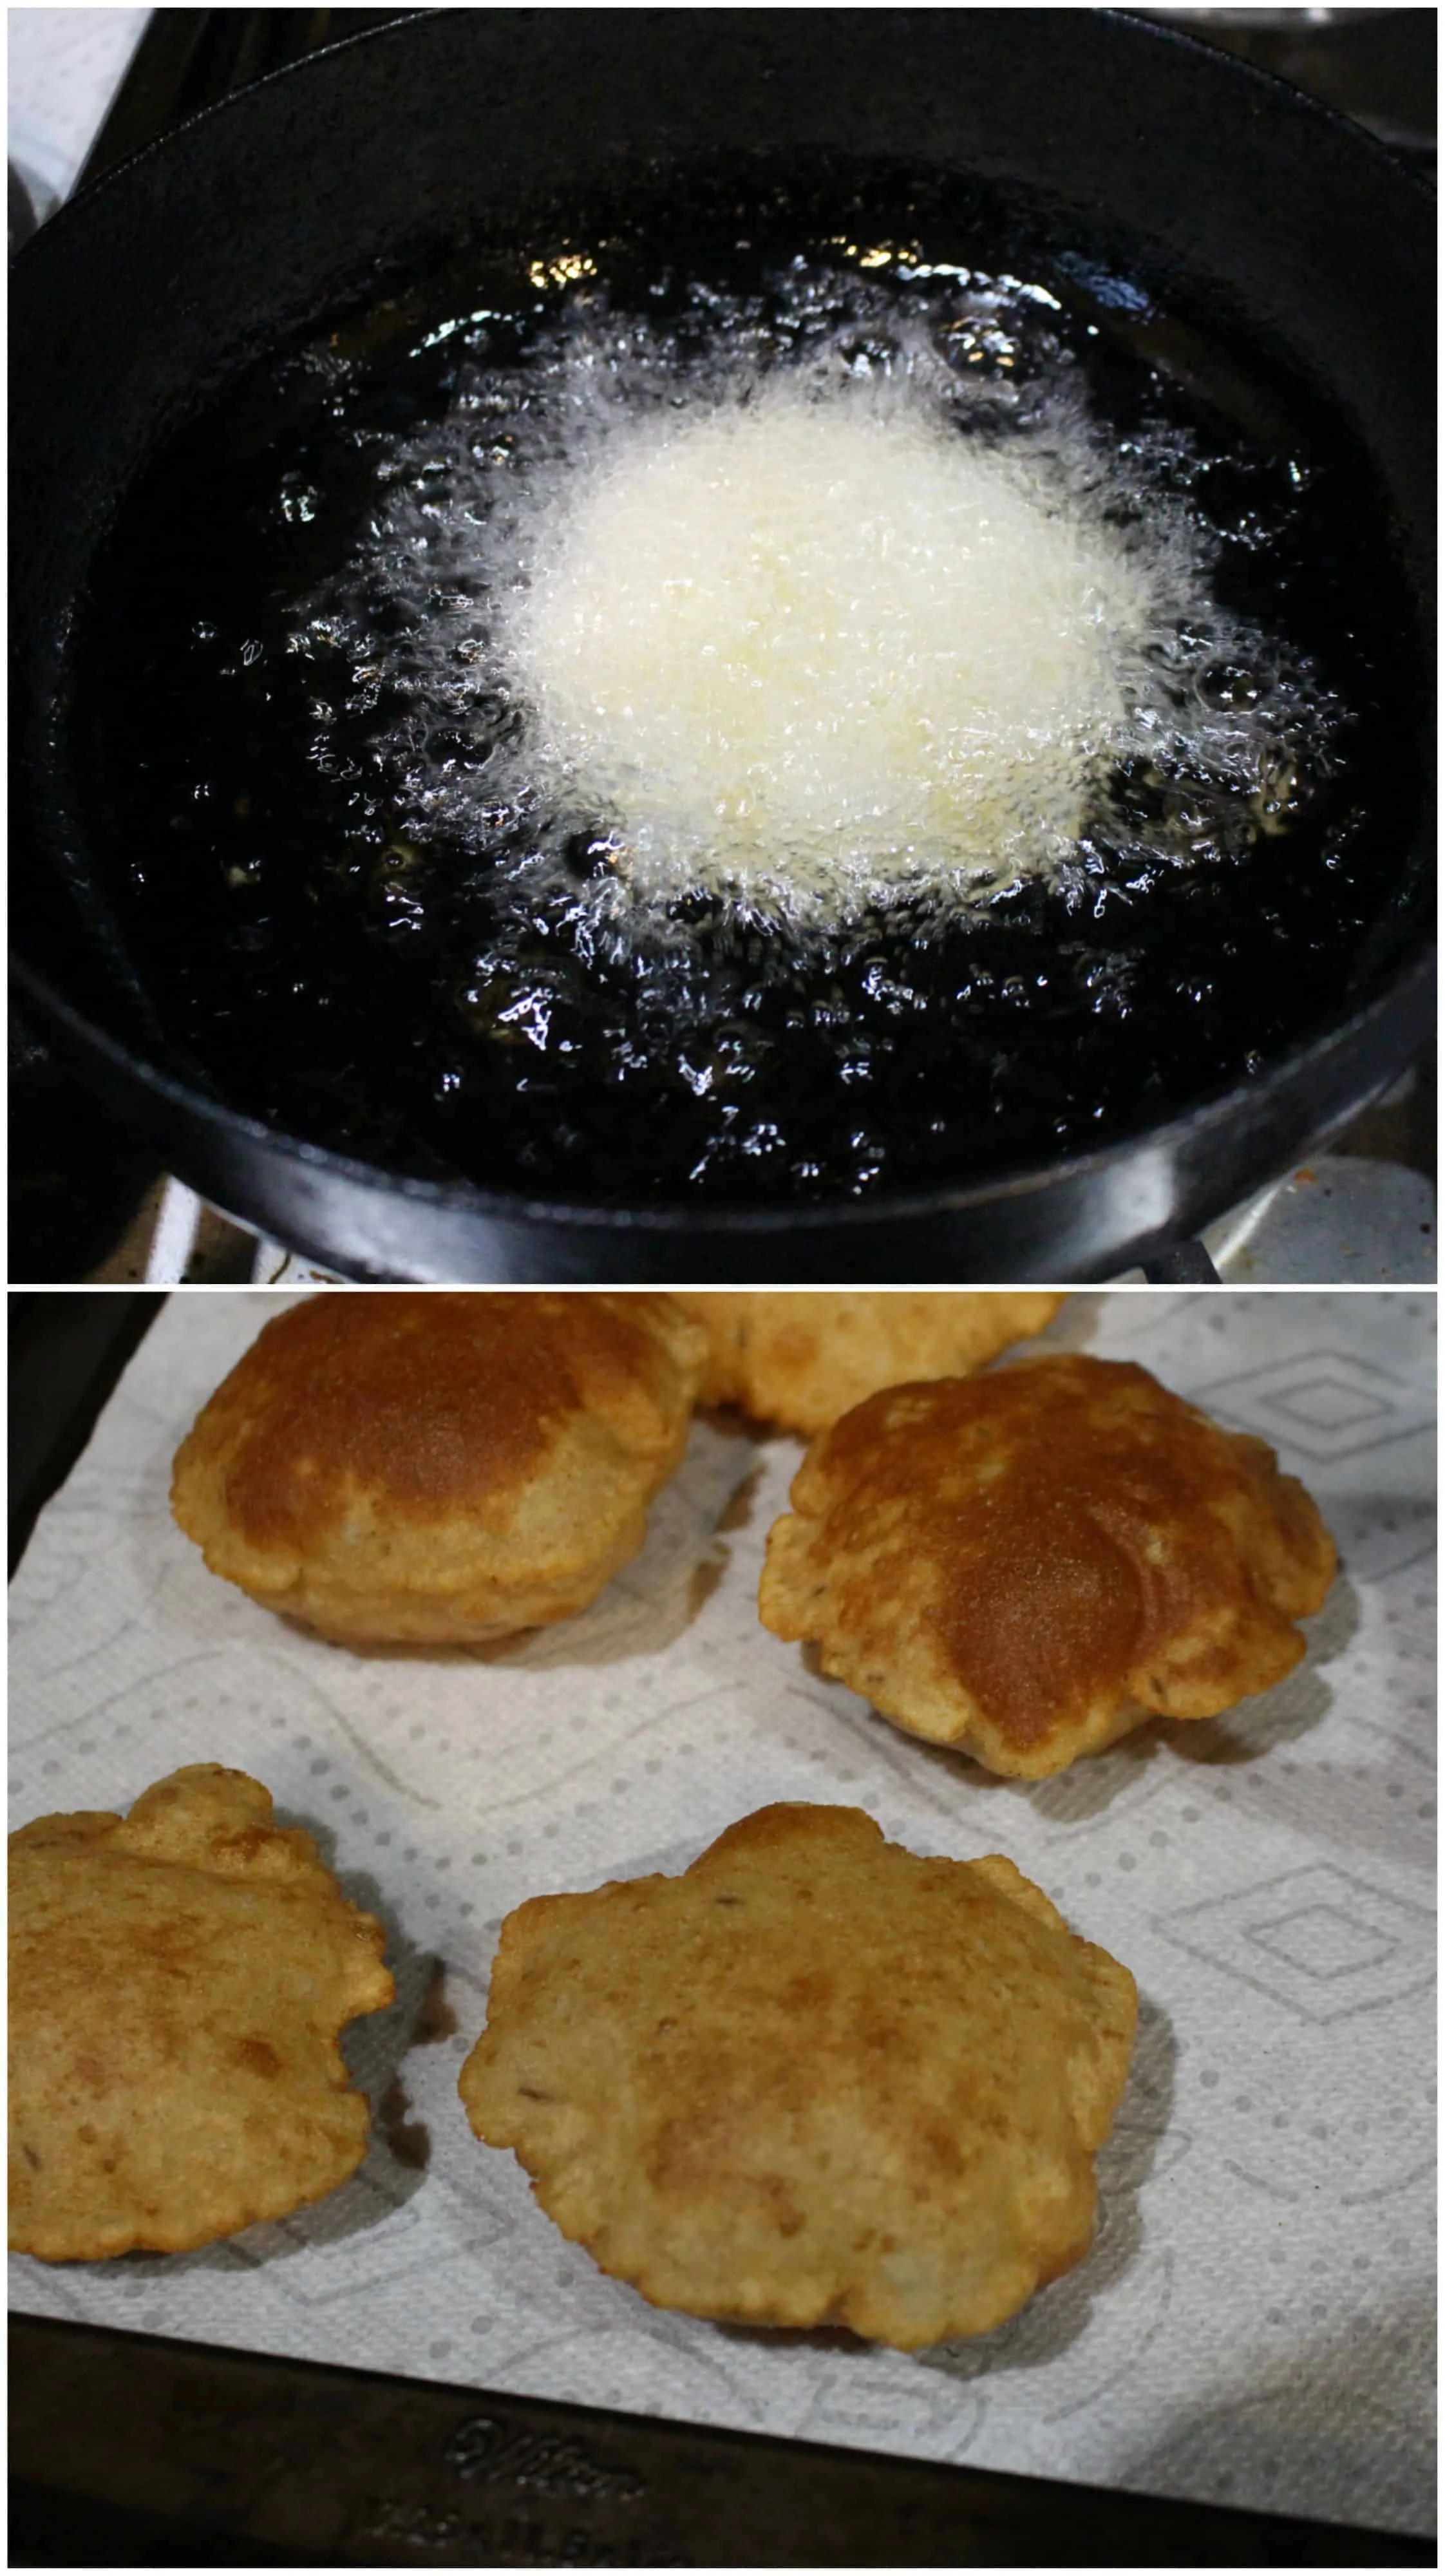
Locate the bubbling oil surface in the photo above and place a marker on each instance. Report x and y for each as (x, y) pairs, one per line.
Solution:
(436, 864)
(814, 627)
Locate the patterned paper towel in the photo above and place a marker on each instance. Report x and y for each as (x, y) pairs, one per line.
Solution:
(1254, 2324)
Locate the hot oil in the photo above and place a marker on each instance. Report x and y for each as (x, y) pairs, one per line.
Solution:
(377, 911)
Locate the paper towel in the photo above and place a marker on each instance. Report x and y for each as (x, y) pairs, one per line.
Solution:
(1254, 2325)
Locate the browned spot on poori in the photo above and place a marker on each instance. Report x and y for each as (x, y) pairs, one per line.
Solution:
(259, 2058)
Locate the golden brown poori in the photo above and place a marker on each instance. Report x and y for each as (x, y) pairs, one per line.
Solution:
(800, 1358)
(815, 2080)
(179, 1979)
(440, 1467)
(1028, 1564)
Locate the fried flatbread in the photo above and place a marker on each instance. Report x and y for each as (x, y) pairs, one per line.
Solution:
(178, 1982)
(813, 2081)
(439, 1468)
(1027, 1565)
(800, 1359)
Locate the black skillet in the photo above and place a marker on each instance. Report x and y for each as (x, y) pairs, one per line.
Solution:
(145, 297)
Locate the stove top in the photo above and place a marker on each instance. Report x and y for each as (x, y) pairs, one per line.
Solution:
(86, 1201)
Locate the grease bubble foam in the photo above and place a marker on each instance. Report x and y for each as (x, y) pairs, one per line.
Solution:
(816, 629)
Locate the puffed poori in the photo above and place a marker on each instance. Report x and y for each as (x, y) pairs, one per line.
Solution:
(439, 1468)
(179, 1979)
(815, 2080)
(1028, 1564)
(801, 1359)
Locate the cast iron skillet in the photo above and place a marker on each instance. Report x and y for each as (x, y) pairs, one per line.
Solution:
(145, 296)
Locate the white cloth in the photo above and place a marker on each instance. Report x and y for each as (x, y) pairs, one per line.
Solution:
(1254, 2323)
(64, 67)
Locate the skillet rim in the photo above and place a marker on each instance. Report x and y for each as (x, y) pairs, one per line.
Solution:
(1233, 65)
(725, 1217)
